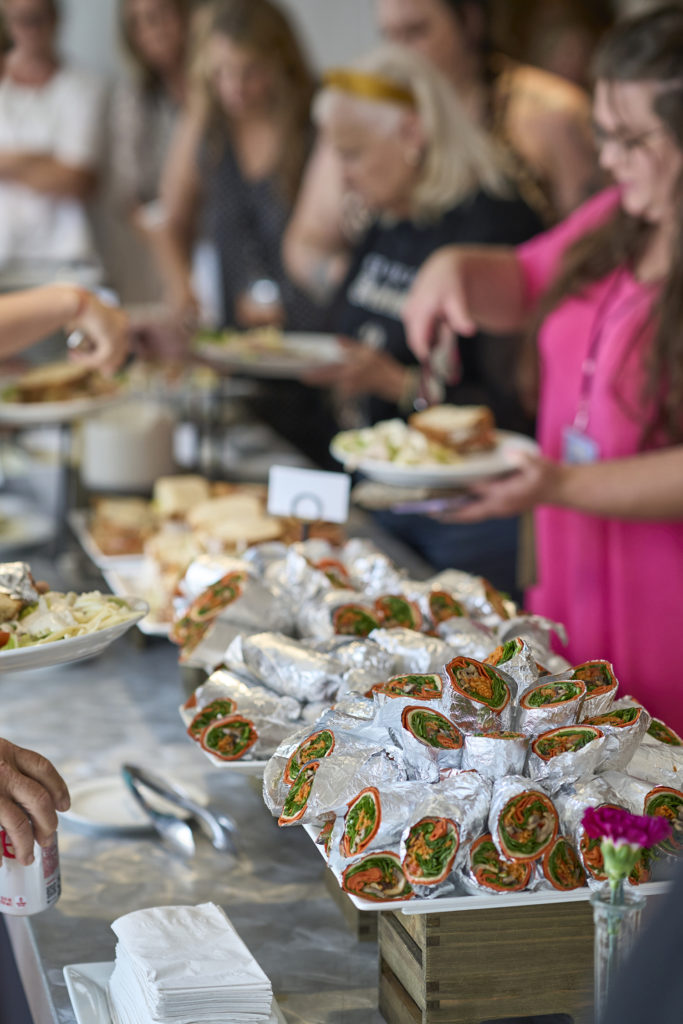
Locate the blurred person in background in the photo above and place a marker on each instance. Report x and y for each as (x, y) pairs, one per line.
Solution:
(233, 174)
(559, 36)
(427, 174)
(542, 120)
(606, 290)
(50, 122)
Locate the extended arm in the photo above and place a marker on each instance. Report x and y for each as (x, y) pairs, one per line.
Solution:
(31, 792)
(46, 174)
(468, 287)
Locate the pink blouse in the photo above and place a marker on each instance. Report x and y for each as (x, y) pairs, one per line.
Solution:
(617, 585)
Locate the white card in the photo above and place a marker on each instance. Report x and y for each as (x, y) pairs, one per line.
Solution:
(308, 494)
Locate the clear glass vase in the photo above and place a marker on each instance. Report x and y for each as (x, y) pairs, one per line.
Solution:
(616, 927)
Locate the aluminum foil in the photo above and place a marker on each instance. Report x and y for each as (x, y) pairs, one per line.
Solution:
(422, 760)
(566, 768)
(260, 556)
(211, 650)
(534, 721)
(494, 757)
(630, 790)
(352, 711)
(521, 666)
(352, 767)
(202, 573)
(471, 715)
(296, 578)
(286, 666)
(275, 789)
(600, 704)
(658, 763)
(467, 638)
(17, 583)
(371, 571)
(415, 653)
(537, 631)
(360, 654)
(314, 617)
(504, 790)
(312, 712)
(622, 743)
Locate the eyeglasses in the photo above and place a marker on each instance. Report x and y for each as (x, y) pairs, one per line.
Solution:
(626, 143)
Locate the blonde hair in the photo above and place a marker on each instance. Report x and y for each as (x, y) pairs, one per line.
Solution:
(460, 158)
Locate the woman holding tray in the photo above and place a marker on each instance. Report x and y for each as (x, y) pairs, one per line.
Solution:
(606, 290)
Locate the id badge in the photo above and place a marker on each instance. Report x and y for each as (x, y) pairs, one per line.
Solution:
(578, 448)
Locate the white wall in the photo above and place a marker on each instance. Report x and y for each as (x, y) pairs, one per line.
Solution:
(335, 31)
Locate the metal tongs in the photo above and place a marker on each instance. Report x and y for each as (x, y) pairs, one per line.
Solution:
(175, 832)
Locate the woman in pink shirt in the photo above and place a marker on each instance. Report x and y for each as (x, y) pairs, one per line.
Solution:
(606, 287)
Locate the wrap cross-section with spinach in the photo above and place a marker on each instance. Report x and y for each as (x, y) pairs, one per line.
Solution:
(393, 610)
(431, 728)
(378, 877)
(229, 738)
(431, 847)
(320, 744)
(361, 822)
(527, 825)
(490, 871)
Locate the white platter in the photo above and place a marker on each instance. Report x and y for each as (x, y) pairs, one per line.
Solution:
(105, 806)
(470, 468)
(22, 524)
(78, 521)
(75, 648)
(300, 354)
(87, 988)
(446, 904)
(31, 414)
(254, 768)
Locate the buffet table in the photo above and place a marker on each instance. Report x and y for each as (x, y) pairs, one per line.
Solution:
(89, 718)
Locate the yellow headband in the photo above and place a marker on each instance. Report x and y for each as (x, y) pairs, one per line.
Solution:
(369, 86)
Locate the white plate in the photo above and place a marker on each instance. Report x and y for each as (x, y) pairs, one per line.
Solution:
(255, 768)
(446, 904)
(106, 805)
(26, 414)
(470, 468)
(75, 648)
(299, 354)
(22, 524)
(87, 988)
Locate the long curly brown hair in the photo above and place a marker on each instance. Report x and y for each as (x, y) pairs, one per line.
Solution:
(644, 49)
(260, 26)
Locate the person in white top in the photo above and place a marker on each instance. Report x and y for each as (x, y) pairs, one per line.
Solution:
(50, 123)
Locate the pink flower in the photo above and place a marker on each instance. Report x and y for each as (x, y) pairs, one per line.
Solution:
(620, 826)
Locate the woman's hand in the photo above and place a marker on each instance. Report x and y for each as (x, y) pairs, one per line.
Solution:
(31, 793)
(365, 371)
(535, 481)
(106, 329)
(437, 296)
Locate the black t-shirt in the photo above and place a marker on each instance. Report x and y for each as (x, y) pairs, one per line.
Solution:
(383, 266)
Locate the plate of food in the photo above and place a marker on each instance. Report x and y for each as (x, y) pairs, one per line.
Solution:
(269, 352)
(55, 393)
(41, 627)
(443, 446)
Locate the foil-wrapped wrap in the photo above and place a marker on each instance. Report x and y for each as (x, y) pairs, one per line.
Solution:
(371, 571)
(251, 729)
(560, 868)
(481, 600)
(364, 662)
(580, 749)
(439, 829)
(356, 766)
(549, 705)
(523, 820)
(295, 577)
(516, 658)
(601, 686)
(202, 573)
(311, 712)
(260, 556)
(286, 666)
(336, 612)
(429, 740)
(624, 727)
(538, 633)
(413, 652)
(571, 802)
(467, 637)
(486, 873)
(642, 797)
(631, 791)
(494, 755)
(658, 763)
(372, 818)
(481, 697)
(17, 586)
(210, 650)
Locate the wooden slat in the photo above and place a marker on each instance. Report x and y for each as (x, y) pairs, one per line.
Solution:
(400, 957)
(395, 1004)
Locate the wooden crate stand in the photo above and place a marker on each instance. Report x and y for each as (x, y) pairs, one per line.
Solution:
(479, 965)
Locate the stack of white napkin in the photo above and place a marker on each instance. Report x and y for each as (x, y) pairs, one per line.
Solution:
(181, 965)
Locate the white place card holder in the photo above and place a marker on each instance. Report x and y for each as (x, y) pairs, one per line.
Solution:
(310, 494)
